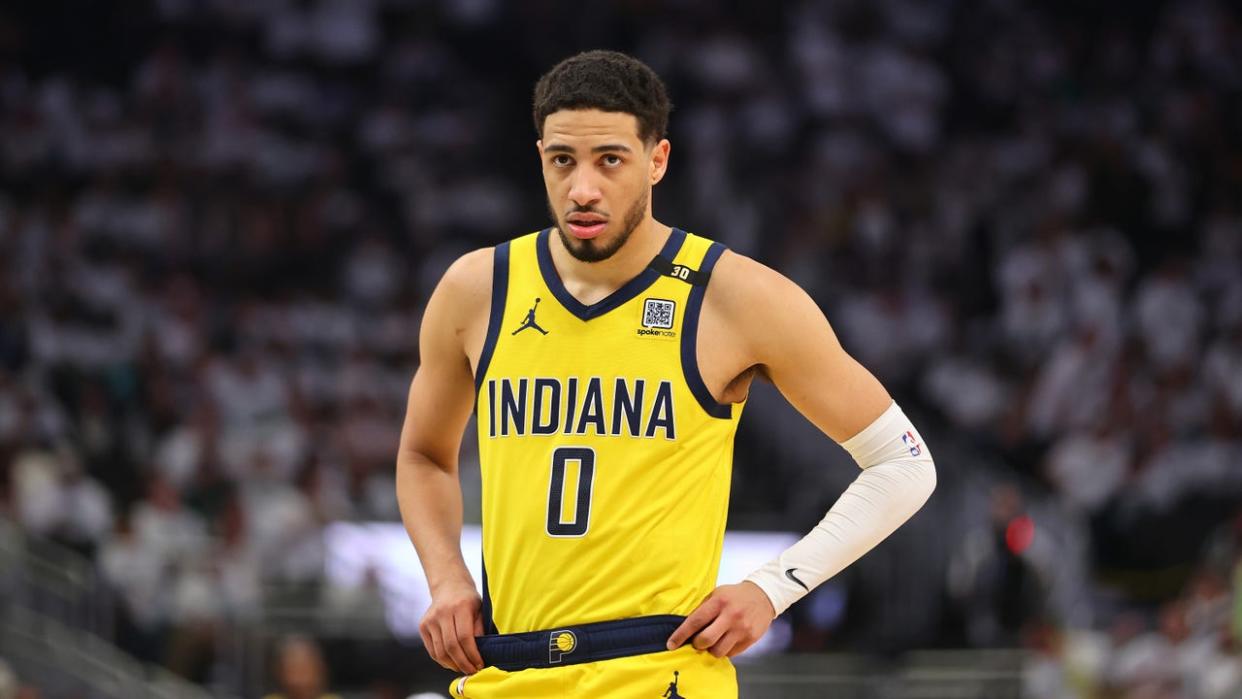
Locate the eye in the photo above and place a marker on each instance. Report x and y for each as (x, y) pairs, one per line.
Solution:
(611, 160)
(561, 160)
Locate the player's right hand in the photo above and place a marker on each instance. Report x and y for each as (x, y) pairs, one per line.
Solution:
(450, 625)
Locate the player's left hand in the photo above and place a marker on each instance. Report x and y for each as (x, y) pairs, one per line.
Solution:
(732, 618)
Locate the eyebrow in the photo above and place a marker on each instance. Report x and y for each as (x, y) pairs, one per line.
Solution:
(607, 147)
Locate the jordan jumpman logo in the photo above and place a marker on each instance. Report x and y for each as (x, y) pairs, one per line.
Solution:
(530, 320)
(671, 692)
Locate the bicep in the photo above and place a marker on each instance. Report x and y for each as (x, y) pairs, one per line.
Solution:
(437, 409)
(802, 356)
(441, 395)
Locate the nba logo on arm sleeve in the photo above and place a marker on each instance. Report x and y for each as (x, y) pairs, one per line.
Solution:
(912, 443)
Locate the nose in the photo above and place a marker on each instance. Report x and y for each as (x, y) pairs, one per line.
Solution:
(583, 189)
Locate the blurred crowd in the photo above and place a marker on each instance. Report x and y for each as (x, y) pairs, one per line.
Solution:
(219, 220)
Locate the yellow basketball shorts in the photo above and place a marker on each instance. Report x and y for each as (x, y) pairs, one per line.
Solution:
(684, 673)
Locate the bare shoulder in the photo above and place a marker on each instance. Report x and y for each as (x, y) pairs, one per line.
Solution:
(774, 325)
(470, 274)
(762, 312)
(743, 289)
(466, 287)
(745, 282)
(749, 313)
(460, 305)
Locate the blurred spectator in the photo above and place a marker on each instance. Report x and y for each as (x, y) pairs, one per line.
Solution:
(165, 526)
(300, 671)
(1167, 316)
(137, 572)
(1001, 574)
(1088, 467)
(11, 686)
(8, 681)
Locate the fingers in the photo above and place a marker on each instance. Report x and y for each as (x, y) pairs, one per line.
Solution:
(699, 618)
(443, 644)
(466, 622)
(431, 642)
(449, 627)
(452, 646)
(741, 646)
(722, 625)
(709, 636)
(729, 644)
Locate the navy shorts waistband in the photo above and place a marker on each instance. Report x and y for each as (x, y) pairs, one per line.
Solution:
(578, 643)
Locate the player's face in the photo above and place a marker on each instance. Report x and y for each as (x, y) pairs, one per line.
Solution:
(599, 175)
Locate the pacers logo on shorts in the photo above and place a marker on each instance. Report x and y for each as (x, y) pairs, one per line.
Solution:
(561, 643)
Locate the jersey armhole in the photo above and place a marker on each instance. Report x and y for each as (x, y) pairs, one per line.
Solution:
(690, 339)
(500, 290)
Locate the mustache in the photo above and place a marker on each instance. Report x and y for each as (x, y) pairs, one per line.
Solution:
(585, 210)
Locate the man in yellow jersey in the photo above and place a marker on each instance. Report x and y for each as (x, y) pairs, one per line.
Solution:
(608, 359)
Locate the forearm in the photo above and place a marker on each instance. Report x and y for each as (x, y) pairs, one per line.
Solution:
(894, 484)
(429, 496)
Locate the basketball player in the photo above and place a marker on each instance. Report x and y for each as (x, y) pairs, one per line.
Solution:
(608, 359)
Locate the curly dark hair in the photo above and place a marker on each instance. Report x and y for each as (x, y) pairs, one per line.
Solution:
(608, 81)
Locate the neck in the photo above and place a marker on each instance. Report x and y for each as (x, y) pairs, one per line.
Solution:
(591, 281)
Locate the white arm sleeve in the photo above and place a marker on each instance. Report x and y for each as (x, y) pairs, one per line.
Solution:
(898, 476)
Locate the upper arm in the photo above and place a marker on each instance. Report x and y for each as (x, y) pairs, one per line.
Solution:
(442, 396)
(796, 348)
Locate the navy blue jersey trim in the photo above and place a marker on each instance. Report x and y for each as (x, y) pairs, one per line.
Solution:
(500, 289)
(632, 288)
(690, 340)
(489, 623)
(600, 640)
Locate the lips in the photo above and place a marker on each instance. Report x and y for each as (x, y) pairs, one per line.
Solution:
(585, 227)
(586, 232)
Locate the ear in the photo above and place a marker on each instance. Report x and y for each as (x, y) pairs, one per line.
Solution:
(539, 147)
(659, 160)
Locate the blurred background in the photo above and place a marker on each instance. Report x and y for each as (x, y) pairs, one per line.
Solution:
(220, 220)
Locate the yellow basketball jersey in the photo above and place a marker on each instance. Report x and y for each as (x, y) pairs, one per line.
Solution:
(605, 460)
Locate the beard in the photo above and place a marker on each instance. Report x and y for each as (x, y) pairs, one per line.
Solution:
(594, 250)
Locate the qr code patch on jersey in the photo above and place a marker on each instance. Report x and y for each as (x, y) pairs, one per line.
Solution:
(658, 313)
